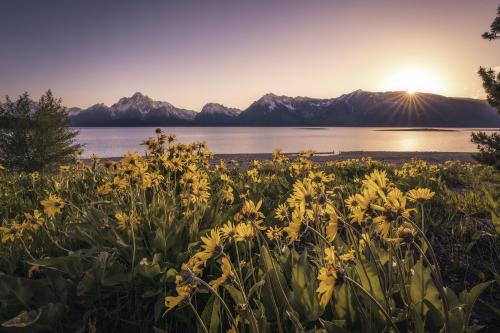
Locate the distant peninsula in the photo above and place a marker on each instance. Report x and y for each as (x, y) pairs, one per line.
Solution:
(416, 130)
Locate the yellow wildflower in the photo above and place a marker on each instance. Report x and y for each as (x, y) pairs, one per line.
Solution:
(171, 138)
(302, 195)
(294, 229)
(333, 222)
(151, 179)
(33, 221)
(244, 232)
(327, 277)
(321, 177)
(32, 270)
(358, 215)
(10, 233)
(254, 175)
(363, 241)
(281, 212)
(183, 290)
(228, 195)
(212, 245)
(383, 225)
(360, 200)
(105, 189)
(394, 205)
(377, 180)
(228, 230)
(52, 205)
(227, 273)
(250, 213)
(330, 256)
(274, 233)
(95, 158)
(35, 175)
(420, 194)
(126, 222)
(348, 256)
(120, 183)
(224, 177)
(405, 233)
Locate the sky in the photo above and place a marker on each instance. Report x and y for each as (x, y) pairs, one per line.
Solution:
(232, 52)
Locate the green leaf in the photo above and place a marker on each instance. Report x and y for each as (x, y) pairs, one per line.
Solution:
(170, 275)
(255, 287)
(495, 219)
(305, 298)
(211, 314)
(294, 318)
(493, 309)
(334, 326)
(215, 317)
(451, 297)
(369, 278)
(24, 319)
(469, 298)
(159, 241)
(474, 328)
(429, 291)
(276, 276)
(343, 304)
(235, 293)
(434, 317)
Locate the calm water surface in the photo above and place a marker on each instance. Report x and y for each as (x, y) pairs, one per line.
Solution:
(115, 141)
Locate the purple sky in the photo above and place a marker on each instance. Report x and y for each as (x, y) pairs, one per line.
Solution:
(233, 52)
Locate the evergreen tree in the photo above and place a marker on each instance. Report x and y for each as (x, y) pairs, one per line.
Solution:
(489, 145)
(35, 136)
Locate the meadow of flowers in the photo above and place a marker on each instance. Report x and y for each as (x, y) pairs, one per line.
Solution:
(171, 241)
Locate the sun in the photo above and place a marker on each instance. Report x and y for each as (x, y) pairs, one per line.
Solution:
(414, 80)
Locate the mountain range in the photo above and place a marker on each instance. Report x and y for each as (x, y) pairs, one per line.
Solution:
(359, 108)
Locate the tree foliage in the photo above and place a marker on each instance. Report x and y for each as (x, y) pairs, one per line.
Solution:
(489, 148)
(494, 32)
(491, 84)
(489, 145)
(34, 136)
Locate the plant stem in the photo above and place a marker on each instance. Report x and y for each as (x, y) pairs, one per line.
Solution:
(386, 315)
(213, 291)
(202, 324)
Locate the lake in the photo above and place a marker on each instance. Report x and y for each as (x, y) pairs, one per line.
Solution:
(115, 141)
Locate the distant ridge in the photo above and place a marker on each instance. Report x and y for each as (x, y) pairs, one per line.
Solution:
(359, 108)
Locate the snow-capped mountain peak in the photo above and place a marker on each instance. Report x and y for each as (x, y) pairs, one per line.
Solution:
(271, 101)
(216, 108)
(138, 102)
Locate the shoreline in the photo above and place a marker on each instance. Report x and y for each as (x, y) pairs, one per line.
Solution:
(389, 157)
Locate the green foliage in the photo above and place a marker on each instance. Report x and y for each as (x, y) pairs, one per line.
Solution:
(489, 145)
(494, 32)
(489, 148)
(491, 85)
(35, 136)
(113, 240)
